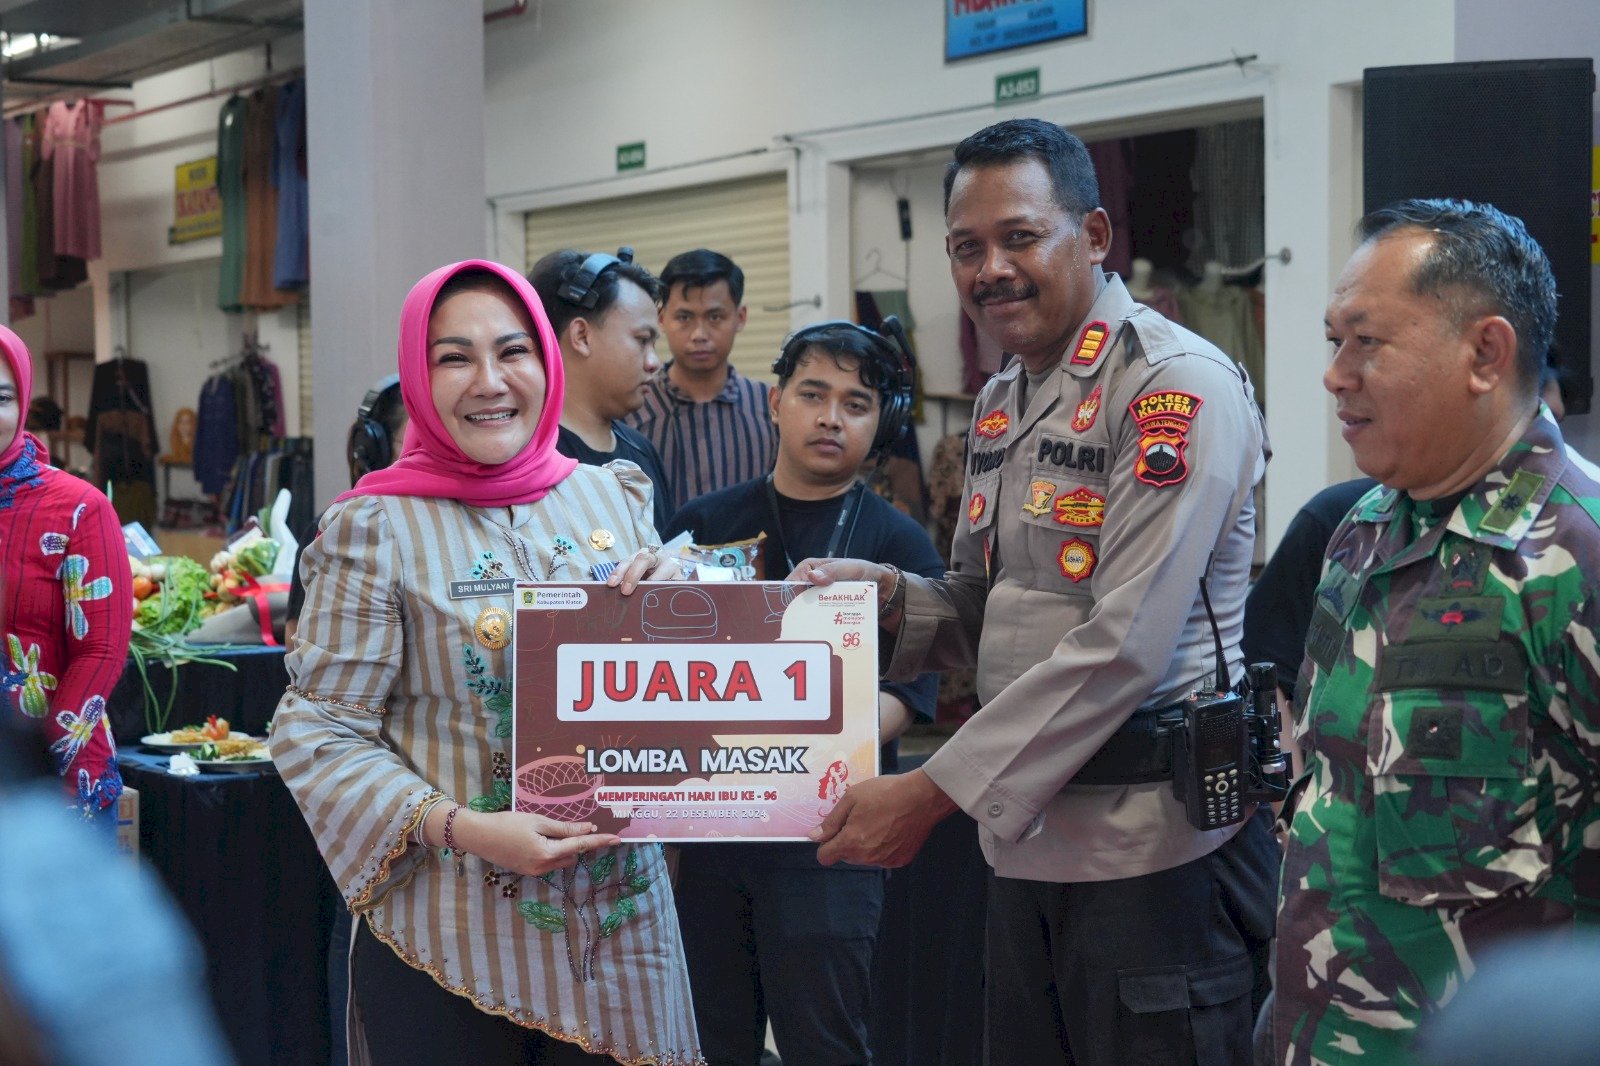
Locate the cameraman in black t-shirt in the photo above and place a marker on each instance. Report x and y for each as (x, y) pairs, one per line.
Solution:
(767, 929)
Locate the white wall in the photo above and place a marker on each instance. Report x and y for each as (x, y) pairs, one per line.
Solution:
(696, 79)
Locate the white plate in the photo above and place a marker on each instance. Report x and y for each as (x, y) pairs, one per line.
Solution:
(222, 766)
(163, 742)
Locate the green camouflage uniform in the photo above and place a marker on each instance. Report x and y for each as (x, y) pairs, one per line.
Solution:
(1451, 739)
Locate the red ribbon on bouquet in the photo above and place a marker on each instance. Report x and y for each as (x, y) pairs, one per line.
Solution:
(258, 591)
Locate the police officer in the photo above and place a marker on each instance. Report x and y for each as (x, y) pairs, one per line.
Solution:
(1109, 464)
(1452, 729)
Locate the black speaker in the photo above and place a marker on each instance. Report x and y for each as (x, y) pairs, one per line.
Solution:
(1515, 134)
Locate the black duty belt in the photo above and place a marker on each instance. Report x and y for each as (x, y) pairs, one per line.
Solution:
(1138, 753)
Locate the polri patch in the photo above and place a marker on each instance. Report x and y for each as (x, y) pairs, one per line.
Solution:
(1077, 559)
(1040, 493)
(994, 424)
(1089, 345)
(1164, 419)
(1081, 508)
(975, 507)
(1087, 410)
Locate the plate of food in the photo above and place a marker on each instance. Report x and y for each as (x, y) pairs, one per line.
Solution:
(237, 752)
(192, 737)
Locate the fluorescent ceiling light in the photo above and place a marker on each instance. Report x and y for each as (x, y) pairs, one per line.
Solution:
(22, 45)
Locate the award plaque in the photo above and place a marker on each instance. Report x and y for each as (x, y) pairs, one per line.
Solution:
(690, 711)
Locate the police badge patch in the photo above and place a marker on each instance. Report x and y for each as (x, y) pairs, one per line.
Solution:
(1087, 410)
(1164, 419)
(1040, 494)
(1081, 508)
(975, 507)
(994, 424)
(1077, 559)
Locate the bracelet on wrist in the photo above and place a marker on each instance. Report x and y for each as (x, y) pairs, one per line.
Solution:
(450, 839)
(896, 594)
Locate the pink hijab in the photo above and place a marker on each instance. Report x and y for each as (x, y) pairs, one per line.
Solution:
(431, 464)
(16, 354)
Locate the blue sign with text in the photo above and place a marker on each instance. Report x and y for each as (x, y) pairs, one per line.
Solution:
(978, 27)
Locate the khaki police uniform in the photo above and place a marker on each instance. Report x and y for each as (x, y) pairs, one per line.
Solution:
(1094, 500)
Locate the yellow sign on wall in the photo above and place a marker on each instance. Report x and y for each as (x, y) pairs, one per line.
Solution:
(1594, 212)
(197, 209)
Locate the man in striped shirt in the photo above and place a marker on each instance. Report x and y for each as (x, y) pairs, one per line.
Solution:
(710, 424)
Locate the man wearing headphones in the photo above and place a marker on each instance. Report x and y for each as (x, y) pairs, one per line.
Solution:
(767, 929)
(603, 310)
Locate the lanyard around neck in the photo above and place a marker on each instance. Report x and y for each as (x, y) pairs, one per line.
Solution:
(843, 529)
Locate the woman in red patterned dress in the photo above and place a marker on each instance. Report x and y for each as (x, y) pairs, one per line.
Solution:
(66, 600)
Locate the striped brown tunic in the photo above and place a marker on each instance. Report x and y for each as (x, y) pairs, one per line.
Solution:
(393, 701)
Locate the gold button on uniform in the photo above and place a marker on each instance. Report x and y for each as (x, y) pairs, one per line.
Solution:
(493, 628)
(601, 540)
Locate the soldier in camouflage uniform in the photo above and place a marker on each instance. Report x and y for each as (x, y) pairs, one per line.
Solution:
(1453, 720)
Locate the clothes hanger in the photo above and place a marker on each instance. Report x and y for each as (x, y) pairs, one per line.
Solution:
(874, 261)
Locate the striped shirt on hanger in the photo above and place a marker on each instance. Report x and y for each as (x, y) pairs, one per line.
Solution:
(708, 446)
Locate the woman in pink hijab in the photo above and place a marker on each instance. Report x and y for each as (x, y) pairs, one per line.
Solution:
(394, 735)
(66, 600)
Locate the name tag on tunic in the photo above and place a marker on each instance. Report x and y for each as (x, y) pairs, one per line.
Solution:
(467, 590)
(1491, 665)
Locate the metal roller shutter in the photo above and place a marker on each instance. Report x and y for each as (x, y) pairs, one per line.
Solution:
(746, 220)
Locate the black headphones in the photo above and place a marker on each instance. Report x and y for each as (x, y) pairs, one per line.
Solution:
(894, 414)
(580, 288)
(369, 447)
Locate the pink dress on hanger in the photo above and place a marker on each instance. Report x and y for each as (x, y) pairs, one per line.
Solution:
(72, 140)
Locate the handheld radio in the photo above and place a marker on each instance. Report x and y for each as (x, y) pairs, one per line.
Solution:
(1226, 757)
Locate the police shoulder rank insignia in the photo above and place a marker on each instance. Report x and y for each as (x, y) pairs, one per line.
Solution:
(994, 424)
(1089, 345)
(975, 507)
(1164, 419)
(1077, 559)
(1087, 410)
(1040, 494)
(1081, 508)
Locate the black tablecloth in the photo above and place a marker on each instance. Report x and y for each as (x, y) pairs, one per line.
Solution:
(246, 695)
(927, 973)
(236, 854)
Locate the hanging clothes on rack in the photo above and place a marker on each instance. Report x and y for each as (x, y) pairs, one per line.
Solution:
(72, 143)
(29, 251)
(1113, 166)
(261, 204)
(291, 265)
(216, 435)
(121, 434)
(230, 191)
(56, 271)
(981, 357)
